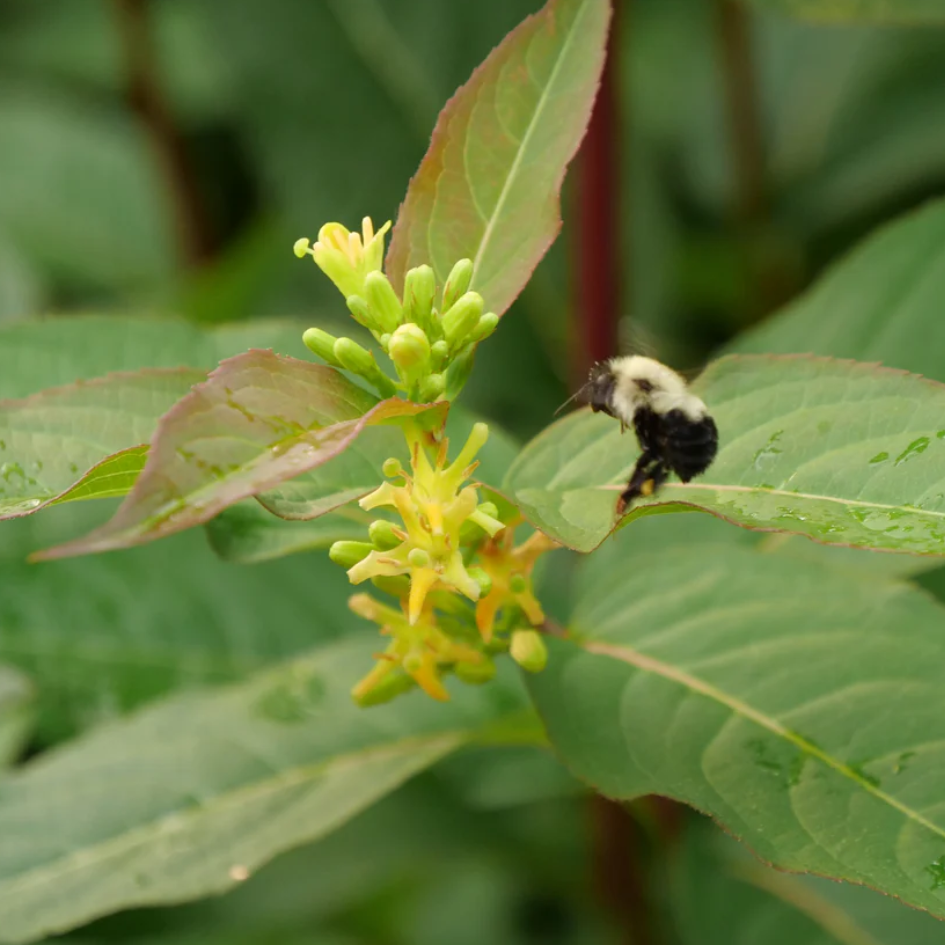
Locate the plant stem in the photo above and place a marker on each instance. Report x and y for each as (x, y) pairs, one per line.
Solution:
(148, 101)
(598, 244)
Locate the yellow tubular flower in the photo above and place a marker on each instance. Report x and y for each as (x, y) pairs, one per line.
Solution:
(433, 506)
(345, 257)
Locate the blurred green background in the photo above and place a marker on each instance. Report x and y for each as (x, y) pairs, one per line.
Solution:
(159, 159)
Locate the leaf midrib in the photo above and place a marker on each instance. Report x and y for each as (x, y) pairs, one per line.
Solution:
(523, 145)
(708, 486)
(85, 857)
(657, 667)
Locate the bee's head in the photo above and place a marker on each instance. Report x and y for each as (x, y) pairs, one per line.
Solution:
(599, 389)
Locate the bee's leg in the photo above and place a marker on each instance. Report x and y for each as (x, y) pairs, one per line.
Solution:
(647, 476)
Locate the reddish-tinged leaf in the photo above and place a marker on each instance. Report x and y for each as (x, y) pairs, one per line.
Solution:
(258, 420)
(488, 187)
(58, 445)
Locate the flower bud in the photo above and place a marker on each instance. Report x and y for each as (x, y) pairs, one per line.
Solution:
(409, 349)
(349, 553)
(432, 387)
(392, 467)
(475, 673)
(383, 535)
(482, 579)
(461, 318)
(528, 650)
(360, 361)
(385, 306)
(378, 689)
(361, 312)
(419, 291)
(418, 558)
(458, 372)
(484, 327)
(439, 352)
(457, 282)
(321, 343)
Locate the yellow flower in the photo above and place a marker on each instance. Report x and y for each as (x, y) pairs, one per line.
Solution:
(418, 649)
(433, 506)
(510, 570)
(346, 257)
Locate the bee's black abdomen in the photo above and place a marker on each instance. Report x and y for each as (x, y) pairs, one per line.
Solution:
(688, 446)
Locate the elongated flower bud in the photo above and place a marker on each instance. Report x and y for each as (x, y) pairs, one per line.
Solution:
(419, 292)
(385, 306)
(484, 327)
(321, 343)
(383, 535)
(349, 553)
(528, 650)
(475, 673)
(360, 361)
(409, 349)
(362, 313)
(461, 318)
(457, 282)
(432, 388)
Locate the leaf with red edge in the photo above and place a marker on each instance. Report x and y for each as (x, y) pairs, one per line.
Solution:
(258, 420)
(58, 445)
(488, 188)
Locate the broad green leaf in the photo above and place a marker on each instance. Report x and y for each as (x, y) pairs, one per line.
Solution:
(881, 303)
(907, 12)
(16, 713)
(246, 533)
(258, 420)
(100, 635)
(488, 187)
(50, 440)
(844, 453)
(799, 707)
(214, 785)
(720, 895)
(52, 352)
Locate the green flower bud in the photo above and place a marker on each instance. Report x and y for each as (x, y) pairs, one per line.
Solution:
(432, 388)
(361, 312)
(439, 352)
(383, 536)
(457, 282)
(528, 650)
(360, 361)
(461, 318)
(482, 579)
(458, 372)
(484, 327)
(419, 291)
(395, 683)
(475, 673)
(397, 585)
(349, 553)
(518, 584)
(392, 467)
(385, 306)
(385, 340)
(409, 349)
(321, 343)
(418, 558)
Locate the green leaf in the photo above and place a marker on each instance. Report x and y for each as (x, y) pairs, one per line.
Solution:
(907, 12)
(258, 420)
(213, 786)
(17, 697)
(247, 533)
(844, 453)
(801, 708)
(49, 440)
(488, 187)
(882, 302)
(720, 895)
(52, 352)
